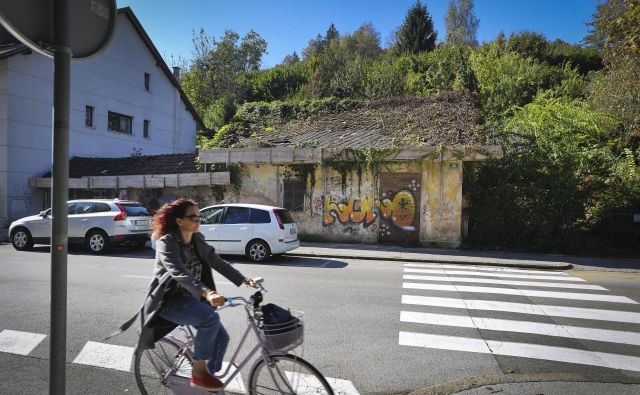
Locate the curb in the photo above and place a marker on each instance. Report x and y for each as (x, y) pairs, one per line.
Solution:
(468, 383)
(488, 262)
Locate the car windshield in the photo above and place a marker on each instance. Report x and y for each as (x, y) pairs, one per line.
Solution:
(285, 216)
(136, 210)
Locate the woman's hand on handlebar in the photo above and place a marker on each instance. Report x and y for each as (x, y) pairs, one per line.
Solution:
(214, 299)
(253, 282)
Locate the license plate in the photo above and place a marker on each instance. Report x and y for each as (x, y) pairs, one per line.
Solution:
(141, 223)
(293, 231)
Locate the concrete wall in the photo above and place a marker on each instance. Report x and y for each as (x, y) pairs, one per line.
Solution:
(358, 212)
(114, 81)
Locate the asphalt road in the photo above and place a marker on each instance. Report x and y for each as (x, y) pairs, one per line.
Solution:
(358, 330)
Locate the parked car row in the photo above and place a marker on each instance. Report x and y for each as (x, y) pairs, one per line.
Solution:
(257, 231)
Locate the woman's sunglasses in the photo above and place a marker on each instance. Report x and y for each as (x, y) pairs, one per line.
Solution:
(195, 218)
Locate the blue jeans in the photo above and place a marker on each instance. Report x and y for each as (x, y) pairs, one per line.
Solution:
(211, 339)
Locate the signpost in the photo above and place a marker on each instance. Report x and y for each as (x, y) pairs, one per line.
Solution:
(62, 29)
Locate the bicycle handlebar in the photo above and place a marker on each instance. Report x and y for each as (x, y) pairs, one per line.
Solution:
(235, 301)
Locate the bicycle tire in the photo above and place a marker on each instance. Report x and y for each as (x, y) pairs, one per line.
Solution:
(289, 375)
(165, 356)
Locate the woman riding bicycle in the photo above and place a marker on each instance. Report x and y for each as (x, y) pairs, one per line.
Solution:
(183, 292)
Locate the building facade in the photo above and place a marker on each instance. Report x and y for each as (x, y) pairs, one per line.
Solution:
(123, 102)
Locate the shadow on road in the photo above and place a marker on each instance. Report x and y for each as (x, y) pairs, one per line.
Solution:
(320, 263)
(147, 253)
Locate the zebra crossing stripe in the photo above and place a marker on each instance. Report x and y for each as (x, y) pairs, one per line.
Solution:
(21, 343)
(520, 292)
(522, 350)
(457, 279)
(495, 274)
(538, 328)
(525, 308)
(107, 356)
(485, 269)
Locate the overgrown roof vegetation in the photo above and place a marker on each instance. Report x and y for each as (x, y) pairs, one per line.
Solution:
(567, 115)
(448, 119)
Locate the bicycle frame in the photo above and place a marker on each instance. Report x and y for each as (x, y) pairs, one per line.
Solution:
(180, 384)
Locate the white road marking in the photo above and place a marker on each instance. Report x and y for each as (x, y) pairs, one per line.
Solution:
(485, 268)
(237, 384)
(105, 356)
(522, 350)
(538, 328)
(455, 279)
(495, 274)
(308, 384)
(520, 292)
(524, 308)
(21, 343)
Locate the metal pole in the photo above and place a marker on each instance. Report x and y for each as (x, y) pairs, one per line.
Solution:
(59, 197)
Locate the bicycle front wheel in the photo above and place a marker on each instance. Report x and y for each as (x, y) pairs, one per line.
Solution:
(287, 374)
(153, 367)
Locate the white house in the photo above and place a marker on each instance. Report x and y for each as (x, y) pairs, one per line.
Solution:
(125, 101)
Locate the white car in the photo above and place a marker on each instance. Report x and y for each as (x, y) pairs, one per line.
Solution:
(254, 230)
(96, 223)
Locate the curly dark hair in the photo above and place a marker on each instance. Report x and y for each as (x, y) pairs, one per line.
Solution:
(165, 219)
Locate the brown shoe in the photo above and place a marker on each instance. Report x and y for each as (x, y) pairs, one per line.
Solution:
(207, 382)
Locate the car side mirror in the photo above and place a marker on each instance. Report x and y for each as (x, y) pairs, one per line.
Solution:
(43, 214)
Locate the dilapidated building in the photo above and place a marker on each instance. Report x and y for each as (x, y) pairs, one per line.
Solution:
(386, 171)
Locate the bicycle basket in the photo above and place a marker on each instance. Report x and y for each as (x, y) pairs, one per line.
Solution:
(283, 329)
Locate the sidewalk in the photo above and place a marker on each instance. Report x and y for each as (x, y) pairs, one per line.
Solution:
(450, 256)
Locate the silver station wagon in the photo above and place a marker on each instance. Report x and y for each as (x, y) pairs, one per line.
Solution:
(96, 223)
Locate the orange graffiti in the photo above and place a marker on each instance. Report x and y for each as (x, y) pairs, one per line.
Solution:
(401, 210)
(353, 210)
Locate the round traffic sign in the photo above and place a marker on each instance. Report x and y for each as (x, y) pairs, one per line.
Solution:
(91, 25)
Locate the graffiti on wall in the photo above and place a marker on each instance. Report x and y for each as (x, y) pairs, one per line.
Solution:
(350, 211)
(399, 208)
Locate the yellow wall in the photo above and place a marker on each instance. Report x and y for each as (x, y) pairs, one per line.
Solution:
(352, 214)
(440, 223)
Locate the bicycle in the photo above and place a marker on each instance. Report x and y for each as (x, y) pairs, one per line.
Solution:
(167, 368)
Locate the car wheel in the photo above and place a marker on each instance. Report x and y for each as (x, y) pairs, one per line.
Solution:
(21, 239)
(258, 251)
(97, 242)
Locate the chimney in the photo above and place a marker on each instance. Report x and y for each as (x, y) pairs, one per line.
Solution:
(176, 72)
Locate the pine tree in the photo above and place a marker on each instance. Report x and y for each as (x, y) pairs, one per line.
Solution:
(332, 34)
(461, 23)
(417, 33)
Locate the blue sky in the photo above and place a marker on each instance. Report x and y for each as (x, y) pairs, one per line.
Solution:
(287, 25)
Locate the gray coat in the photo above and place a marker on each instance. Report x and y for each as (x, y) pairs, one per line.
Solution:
(170, 270)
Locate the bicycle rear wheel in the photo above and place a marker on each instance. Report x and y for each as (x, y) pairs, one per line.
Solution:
(287, 374)
(151, 367)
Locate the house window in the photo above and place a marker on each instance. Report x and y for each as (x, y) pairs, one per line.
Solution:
(147, 78)
(293, 197)
(145, 129)
(120, 123)
(88, 116)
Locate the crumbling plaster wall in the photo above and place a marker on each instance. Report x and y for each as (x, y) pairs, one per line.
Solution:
(350, 211)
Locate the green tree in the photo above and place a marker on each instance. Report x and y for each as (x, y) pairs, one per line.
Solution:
(529, 44)
(616, 27)
(332, 34)
(417, 33)
(290, 60)
(217, 65)
(559, 171)
(364, 42)
(387, 77)
(461, 23)
(506, 79)
(444, 69)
